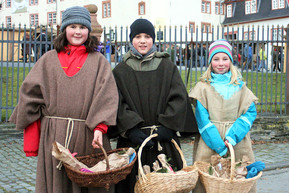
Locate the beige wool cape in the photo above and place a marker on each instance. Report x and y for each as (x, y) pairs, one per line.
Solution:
(223, 113)
(90, 95)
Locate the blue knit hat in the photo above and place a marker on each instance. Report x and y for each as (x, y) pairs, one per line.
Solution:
(220, 46)
(76, 15)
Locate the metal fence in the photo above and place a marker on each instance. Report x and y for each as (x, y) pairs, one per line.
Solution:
(267, 77)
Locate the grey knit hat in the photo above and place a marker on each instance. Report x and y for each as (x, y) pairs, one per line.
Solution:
(76, 15)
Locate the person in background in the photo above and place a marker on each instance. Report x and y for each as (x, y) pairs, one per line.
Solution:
(225, 109)
(262, 58)
(55, 106)
(41, 45)
(276, 60)
(153, 99)
(26, 48)
(108, 50)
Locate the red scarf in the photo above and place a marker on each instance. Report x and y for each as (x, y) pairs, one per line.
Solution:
(72, 59)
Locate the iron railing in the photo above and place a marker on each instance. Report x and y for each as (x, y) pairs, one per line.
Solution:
(188, 49)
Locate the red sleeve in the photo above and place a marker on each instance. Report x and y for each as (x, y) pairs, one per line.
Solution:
(101, 127)
(31, 138)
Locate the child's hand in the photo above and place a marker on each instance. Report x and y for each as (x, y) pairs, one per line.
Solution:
(226, 143)
(97, 138)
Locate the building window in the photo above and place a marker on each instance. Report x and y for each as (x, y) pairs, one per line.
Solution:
(219, 8)
(8, 3)
(51, 1)
(206, 6)
(229, 10)
(141, 8)
(106, 9)
(8, 21)
(33, 2)
(51, 18)
(34, 19)
(191, 27)
(206, 27)
(278, 4)
(251, 35)
(251, 7)
(277, 34)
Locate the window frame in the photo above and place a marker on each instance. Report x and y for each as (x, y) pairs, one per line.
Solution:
(205, 4)
(33, 2)
(249, 8)
(231, 10)
(7, 22)
(194, 27)
(8, 3)
(106, 13)
(51, 1)
(36, 23)
(205, 29)
(250, 37)
(278, 4)
(219, 8)
(279, 33)
(53, 19)
(140, 4)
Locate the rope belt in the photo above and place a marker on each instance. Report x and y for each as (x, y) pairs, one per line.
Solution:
(225, 123)
(154, 128)
(69, 131)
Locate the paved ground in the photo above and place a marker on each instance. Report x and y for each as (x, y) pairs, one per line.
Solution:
(18, 172)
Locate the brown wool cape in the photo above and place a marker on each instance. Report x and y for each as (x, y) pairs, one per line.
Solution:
(90, 95)
(155, 97)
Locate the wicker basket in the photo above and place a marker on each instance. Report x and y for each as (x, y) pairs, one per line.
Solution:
(165, 182)
(214, 184)
(99, 179)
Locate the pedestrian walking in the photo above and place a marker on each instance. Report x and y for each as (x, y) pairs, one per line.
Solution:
(26, 48)
(107, 50)
(53, 96)
(276, 65)
(262, 58)
(224, 108)
(153, 99)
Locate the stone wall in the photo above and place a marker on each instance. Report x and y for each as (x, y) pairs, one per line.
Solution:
(270, 128)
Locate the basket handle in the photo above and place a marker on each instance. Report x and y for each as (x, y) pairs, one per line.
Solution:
(105, 155)
(232, 161)
(140, 168)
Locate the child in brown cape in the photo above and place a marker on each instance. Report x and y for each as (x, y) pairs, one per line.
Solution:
(72, 92)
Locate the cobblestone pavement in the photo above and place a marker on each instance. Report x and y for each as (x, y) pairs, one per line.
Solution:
(18, 172)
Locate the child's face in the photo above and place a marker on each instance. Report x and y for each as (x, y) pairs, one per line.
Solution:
(221, 63)
(142, 43)
(76, 34)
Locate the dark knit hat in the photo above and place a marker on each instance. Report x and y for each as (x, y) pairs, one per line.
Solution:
(142, 26)
(76, 15)
(220, 46)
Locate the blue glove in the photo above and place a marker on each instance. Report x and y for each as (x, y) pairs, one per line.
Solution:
(254, 169)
